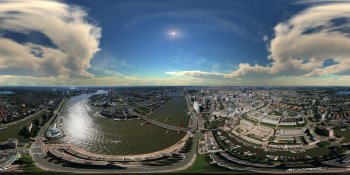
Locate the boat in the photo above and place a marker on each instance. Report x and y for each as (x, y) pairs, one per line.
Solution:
(144, 123)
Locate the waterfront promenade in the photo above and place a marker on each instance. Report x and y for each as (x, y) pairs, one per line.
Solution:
(83, 152)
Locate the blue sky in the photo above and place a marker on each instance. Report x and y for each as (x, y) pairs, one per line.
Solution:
(213, 35)
(167, 42)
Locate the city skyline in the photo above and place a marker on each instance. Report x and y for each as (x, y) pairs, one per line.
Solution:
(166, 43)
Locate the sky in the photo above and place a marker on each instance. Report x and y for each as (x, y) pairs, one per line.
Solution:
(175, 42)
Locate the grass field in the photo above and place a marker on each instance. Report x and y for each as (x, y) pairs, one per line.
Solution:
(245, 117)
(216, 123)
(28, 166)
(202, 165)
(275, 113)
(345, 134)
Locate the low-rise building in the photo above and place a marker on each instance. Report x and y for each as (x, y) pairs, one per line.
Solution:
(11, 143)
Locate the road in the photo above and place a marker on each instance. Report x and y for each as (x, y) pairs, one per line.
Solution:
(37, 149)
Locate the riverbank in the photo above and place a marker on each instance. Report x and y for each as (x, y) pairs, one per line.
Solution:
(95, 134)
(172, 148)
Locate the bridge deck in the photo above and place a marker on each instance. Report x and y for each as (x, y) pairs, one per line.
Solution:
(165, 126)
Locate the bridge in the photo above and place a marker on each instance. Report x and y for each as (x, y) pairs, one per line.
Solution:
(165, 126)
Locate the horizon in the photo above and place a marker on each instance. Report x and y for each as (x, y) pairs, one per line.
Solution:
(112, 86)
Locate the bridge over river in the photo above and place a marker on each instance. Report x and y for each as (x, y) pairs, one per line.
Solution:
(165, 126)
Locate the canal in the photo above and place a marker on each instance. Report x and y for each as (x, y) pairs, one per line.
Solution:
(106, 136)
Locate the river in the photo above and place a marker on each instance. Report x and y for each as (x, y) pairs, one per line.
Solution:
(106, 136)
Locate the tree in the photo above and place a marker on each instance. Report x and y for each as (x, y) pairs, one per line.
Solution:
(324, 144)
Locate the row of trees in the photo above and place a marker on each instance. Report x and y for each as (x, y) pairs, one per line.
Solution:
(32, 128)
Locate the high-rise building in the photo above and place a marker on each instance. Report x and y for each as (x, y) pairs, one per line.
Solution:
(196, 106)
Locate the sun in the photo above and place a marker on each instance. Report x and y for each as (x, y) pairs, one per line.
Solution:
(173, 34)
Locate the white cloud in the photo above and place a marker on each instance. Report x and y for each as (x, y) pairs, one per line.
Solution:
(196, 74)
(303, 44)
(75, 39)
(265, 38)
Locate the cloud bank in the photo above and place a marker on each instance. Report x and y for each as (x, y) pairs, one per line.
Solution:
(314, 42)
(197, 74)
(46, 39)
(304, 44)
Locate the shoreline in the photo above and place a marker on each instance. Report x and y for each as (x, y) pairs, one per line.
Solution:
(188, 162)
(172, 148)
(169, 148)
